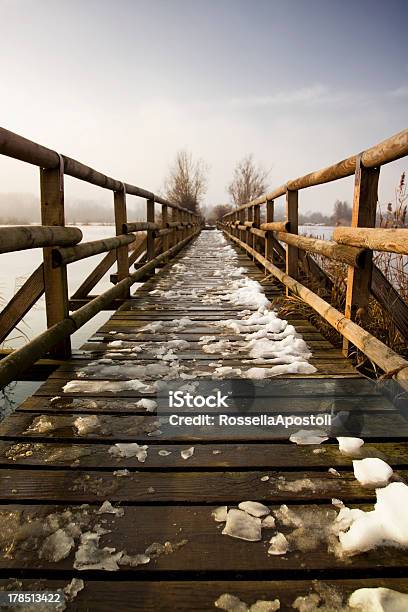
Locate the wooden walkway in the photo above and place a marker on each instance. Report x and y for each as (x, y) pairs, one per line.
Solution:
(52, 464)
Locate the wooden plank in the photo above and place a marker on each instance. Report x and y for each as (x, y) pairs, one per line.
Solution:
(200, 595)
(267, 456)
(208, 487)
(290, 404)
(21, 302)
(386, 426)
(206, 550)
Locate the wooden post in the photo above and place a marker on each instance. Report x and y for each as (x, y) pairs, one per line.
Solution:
(55, 279)
(364, 215)
(241, 217)
(150, 233)
(250, 237)
(165, 219)
(270, 209)
(173, 235)
(257, 223)
(292, 252)
(122, 253)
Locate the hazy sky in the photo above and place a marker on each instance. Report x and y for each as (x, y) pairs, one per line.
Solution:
(122, 85)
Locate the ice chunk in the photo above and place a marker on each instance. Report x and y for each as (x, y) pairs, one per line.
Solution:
(121, 473)
(256, 373)
(268, 522)
(127, 450)
(90, 557)
(189, 452)
(254, 508)
(231, 603)
(56, 546)
(350, 446)
(99, 386)
(86, 424)
(308, 436)
(372, 471)
(107, 508)
(264, 478)
(263, 605)
(333, 472)
(378, 600)
(134, 560)
(164, 453)
(278, 545)
(41, 424)
(387, 524)
(72, 589)
(220, 514)
(148, 404)
(242, 525)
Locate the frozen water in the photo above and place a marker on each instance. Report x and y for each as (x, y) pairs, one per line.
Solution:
(90, 557)
(350, 446)
(372, 471)
(220, 514)
(378, 600)
(254, 508)
(268, 522)
(231, 603)
(127, 450)
(241, 525)
(107, 508)
(308, 436)
(387, 524)
(56, 546)
(278, 545)
(86, 424)
(148, 404)
(186, 454)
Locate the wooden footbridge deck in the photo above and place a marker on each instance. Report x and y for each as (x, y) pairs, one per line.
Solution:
(159, 547)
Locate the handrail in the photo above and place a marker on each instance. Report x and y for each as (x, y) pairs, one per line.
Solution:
(377, 351)
(161, 237)
(21, 237)
(353, 246)
(63, 256)
(388, 150)
(18, 147)
(23, 358)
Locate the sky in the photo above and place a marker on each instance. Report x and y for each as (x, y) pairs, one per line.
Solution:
(122, 86)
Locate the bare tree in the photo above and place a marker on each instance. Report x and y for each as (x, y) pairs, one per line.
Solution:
(249, 181)
(187, 181)
(212, 215)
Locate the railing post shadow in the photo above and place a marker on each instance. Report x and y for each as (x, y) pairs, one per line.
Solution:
(55, 279)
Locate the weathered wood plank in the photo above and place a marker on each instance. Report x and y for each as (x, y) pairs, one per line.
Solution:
(215, 456)
(206, 550)
(200, 595)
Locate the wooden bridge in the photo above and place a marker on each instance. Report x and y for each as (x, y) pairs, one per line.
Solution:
(91, 433)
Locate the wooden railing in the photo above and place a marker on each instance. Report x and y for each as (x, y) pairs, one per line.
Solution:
(154, 242)
(352, 245)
